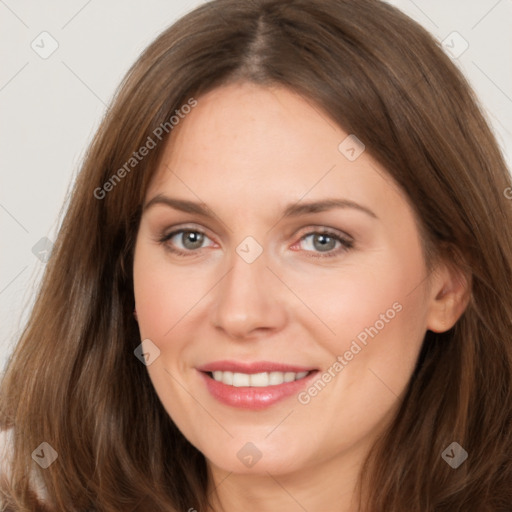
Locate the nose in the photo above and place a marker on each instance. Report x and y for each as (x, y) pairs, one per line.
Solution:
(249, 300)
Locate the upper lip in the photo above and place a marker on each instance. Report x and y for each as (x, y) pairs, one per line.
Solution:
(254, 367)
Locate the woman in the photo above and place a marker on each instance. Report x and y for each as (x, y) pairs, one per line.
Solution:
(283, 281)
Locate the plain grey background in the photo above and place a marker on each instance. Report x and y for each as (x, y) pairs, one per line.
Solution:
(61, 62)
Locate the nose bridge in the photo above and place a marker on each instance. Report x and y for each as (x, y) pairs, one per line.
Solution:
(249, 278)
(247, 297)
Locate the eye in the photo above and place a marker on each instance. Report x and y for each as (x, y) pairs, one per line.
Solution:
(320, 243)
(185, 241)
(324, 243)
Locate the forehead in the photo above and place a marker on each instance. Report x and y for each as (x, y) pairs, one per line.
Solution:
(256, 145)
(246, 123)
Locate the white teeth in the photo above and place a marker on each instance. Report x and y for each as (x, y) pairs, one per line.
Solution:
(256, 380)
(276, 378)
(289, 376)
(241, 379)
(259, 380)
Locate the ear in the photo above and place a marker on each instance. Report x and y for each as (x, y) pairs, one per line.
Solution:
(449, 294)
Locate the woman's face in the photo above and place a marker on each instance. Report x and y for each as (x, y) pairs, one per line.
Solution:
(271, 246)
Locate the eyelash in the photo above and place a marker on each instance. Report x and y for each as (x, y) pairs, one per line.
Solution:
(346, 244)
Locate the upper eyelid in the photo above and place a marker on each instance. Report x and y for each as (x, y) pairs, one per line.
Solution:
(310, 229)
(180, 228)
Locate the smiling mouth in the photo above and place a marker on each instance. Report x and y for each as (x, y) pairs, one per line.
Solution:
(254, 385)
(256, 380)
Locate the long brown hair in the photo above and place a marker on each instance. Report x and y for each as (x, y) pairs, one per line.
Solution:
(73, 380)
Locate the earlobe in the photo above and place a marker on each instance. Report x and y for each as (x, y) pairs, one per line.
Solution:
(450, 296)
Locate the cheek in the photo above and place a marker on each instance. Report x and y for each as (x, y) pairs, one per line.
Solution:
(152, 303)
(378, 304)
(379, 330)
(163, 294)
(162, 298)
(354, 300)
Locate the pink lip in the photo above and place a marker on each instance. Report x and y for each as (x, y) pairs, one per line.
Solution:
(252, 397)
(255, 367)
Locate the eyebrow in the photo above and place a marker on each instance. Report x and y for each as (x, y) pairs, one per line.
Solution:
(292, 210)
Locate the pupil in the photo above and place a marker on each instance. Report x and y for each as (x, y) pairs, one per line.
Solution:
(324, 242)
(193, 240)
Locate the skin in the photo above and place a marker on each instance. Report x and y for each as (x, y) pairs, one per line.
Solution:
(247, 152)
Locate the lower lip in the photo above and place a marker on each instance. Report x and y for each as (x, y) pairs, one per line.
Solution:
(254, 398)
